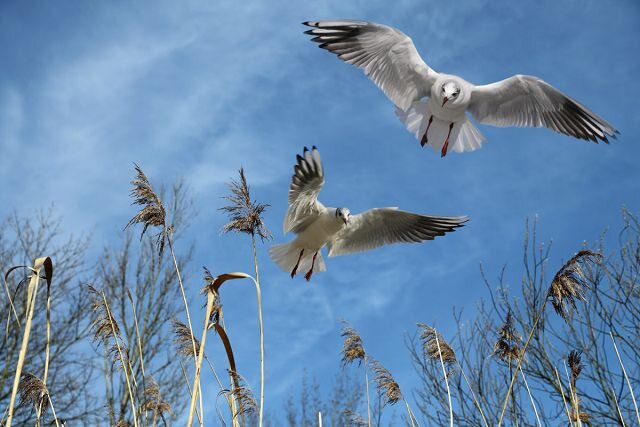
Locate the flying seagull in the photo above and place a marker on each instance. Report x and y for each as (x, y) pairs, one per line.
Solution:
(342, 233)
(388, 57)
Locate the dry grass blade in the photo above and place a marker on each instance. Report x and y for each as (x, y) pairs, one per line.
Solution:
(242, 394)
(214, 283)
(153, 213)
(354, 419)
(184, 339)
(352, 348)
(569, 284)
(388, 388)
(245, 215)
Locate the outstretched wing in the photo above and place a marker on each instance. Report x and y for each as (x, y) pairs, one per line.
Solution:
(386, 55)
(306, 183)
(377, 227)
(529, 101)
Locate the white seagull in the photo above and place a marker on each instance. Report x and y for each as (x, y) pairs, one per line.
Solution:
(388, 57)
(343, 233)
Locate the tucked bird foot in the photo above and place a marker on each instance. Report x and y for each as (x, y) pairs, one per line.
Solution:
(446, 142)
(425, 139)
(295, 269)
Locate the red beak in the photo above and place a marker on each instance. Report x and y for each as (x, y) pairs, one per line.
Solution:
(444, 100)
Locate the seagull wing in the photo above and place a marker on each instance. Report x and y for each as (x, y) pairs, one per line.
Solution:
(306, 183)
(529, 101)
(386, 55)
(377, 227)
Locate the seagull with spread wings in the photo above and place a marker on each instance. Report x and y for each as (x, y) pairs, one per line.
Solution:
(388, 57)
(343, 233)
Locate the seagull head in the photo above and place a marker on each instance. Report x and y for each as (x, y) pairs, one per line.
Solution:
(449, 92)
(342, 214)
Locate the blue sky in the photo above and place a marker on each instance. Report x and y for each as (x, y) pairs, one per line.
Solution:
(197, 89)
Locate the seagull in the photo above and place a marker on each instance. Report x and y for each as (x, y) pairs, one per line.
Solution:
(317, 226)
(388, 57)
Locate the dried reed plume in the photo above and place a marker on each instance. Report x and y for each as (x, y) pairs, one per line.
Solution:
(103, 324)
(245, 215)
(434, 346)
(119, 355)
(569, 284)
(184, 339)
(33, 391)
(576, 366)
(122, 423)
(388, 388)
(567, 287)
(352, 348)
(242, 394)
(153, 212)
(153, 401)
(354, 419)
(508, 345)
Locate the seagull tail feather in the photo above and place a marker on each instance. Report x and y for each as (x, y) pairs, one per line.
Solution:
(286, 256)
(464, 135)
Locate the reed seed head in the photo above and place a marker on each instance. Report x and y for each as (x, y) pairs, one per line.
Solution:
(507, 346)
(434, 346)
(33, 391)
(242, 394)
(354, 419)
(570, 284)
(183, 339)
(352, 348)
(119, 356)
(245, 215)
(388, 388)
(575, 364)
(152, 213)
(152, 399)
(103, 324)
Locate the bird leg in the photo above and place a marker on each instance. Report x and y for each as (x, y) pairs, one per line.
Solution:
(425, 139)
(446, 142)
(295, 269)
(310, 272)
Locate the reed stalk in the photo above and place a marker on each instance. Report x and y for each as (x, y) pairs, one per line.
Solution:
(32, 291)
(196, 381)
(624, 371)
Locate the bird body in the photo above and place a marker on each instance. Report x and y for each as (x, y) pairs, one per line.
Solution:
(318, 226)
(388, 57)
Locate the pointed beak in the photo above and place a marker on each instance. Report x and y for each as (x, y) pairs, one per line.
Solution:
(444, 100)
(346, 221)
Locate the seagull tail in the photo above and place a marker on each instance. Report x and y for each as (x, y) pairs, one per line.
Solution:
(286, 256)
(464, 135)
